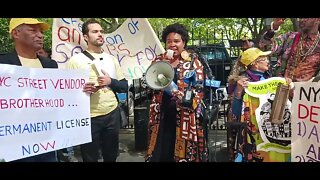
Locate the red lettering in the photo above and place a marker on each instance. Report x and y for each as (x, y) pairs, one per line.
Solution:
(312, 113)
(3, 104)
(71, 34)
(68, 33)
(299, 111)
(12, 103)
(54, 84)
(41, 103)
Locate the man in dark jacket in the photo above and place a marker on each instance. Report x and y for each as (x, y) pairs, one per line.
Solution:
(27, 35)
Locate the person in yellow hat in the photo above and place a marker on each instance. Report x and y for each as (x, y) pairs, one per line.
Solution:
(243, 107)
(28, 38)
(252, 65)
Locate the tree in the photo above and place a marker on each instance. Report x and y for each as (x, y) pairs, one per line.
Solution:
(220, 30)
(5, 41)
(108, 24)
(202, 30)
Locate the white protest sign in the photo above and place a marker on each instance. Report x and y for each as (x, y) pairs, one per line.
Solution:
(42, 110)
(305, 122)
(134, 44)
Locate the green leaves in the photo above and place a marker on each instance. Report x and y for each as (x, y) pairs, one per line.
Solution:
(202, 30)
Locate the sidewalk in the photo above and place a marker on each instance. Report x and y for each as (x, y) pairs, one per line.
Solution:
(217, 147)
(127, 150)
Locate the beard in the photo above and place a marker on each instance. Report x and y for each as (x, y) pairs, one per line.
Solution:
(98, 43)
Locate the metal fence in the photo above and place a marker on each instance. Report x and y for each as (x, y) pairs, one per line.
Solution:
(219, 116)
(217, 122)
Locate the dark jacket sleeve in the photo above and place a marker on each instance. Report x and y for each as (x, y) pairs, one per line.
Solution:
(119, 86)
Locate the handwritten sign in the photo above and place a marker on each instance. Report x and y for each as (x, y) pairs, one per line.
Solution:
(37, 110)
(134, 44)
(305, 122)
(275, 137)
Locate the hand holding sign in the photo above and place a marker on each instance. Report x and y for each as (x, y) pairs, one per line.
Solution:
(104, 80)
(89, 88)
(241, 84)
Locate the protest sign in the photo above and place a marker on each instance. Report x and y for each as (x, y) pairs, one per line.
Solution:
(42, 110)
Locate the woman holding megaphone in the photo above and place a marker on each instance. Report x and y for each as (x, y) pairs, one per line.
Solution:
(176, 132)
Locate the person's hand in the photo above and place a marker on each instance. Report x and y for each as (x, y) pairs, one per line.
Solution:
(169, 54)
(277, 22)
(177, 94)
(241, 84)
(158, 58)
(90, 88)
(289, 82)
(104, 80)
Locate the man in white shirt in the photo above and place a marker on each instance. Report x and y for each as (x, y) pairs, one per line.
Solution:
(105, 79)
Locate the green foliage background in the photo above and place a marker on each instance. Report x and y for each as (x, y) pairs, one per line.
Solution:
(202, 30)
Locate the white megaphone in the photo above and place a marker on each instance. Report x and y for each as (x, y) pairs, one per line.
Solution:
(160, 76)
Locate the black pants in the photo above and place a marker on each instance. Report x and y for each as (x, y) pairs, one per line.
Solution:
(105, 135)
(166, 138)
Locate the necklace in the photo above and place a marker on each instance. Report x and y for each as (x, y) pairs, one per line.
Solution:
(310, 50)
(299, 56)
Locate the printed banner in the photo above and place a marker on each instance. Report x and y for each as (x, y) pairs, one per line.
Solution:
(37, 108)
(275, 136)
(134, 44)
(305, 122)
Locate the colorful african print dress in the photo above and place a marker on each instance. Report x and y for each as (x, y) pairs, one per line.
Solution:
(177, 133)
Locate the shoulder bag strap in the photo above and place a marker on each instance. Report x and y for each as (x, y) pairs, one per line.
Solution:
(92, 58)
(88, 55)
